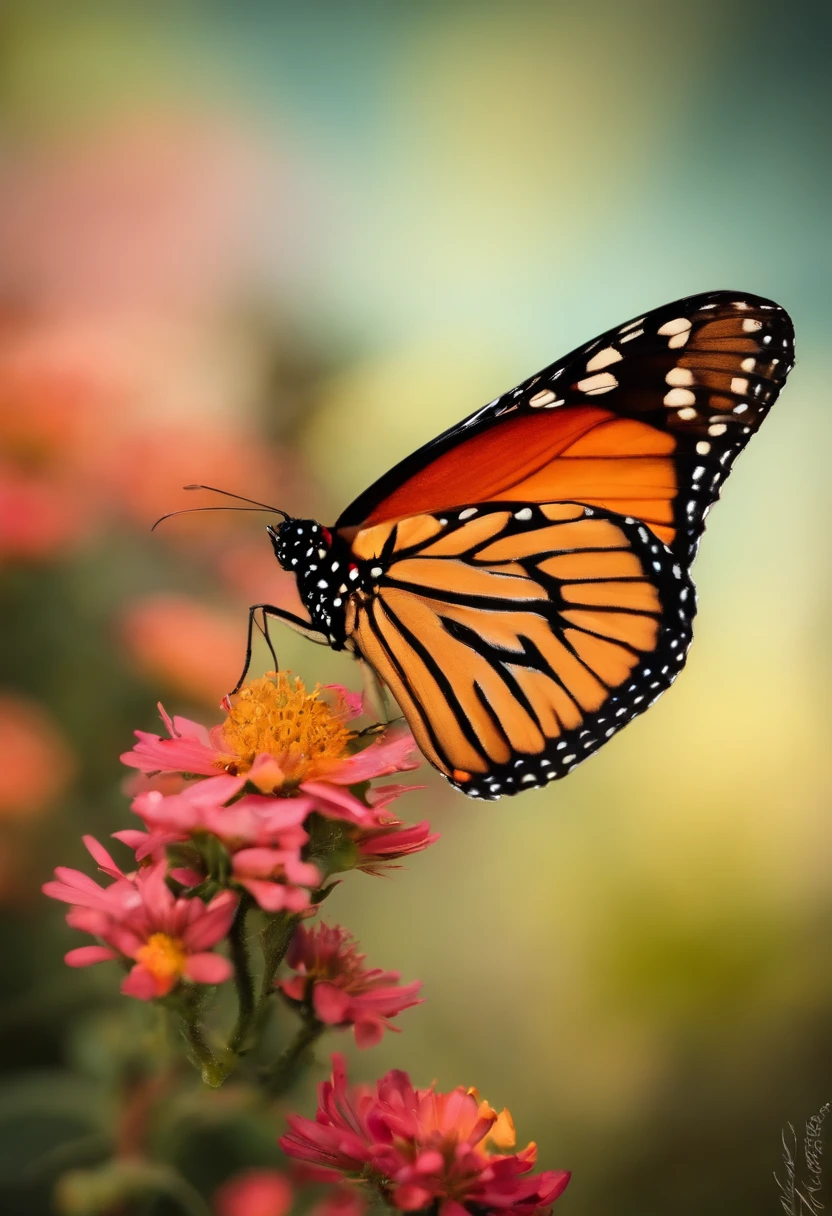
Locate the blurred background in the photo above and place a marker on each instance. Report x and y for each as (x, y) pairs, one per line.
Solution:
(274, 249)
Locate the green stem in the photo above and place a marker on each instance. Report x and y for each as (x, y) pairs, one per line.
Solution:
(213, 1072)
(280, 1078)
(243, 979)
(276, 939)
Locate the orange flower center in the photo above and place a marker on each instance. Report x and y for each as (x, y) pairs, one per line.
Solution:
(276, 716)
(164, 957)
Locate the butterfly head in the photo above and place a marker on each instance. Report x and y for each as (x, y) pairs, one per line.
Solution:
(319, 562)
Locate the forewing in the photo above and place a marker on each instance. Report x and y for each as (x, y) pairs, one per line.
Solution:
(644, 421)
(517, 639)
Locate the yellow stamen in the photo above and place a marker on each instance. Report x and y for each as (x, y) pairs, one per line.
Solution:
(164, 957)
(276, 716)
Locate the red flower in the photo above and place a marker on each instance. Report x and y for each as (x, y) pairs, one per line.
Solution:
(138, 918)
(422, 1149)
(330, 977)
(255, 1193)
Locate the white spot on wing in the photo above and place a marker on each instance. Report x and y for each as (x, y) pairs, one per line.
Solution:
(739, 385)
(595, 385)
(678, 325)
(604, 358)
(542, 398)
(679, 376)
(750, 325)
(679, 396)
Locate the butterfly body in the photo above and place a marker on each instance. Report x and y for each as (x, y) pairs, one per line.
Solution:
(521, 583)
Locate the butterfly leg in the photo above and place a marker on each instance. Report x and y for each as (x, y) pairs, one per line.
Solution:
(294, 622)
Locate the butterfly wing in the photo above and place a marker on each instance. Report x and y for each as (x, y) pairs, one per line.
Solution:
(644, 421)
(517, 639)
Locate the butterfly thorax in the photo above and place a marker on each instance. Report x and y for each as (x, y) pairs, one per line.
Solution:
(326, 572)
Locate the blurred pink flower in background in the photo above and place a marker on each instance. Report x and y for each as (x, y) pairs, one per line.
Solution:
(138, 918)
(331, 978)
(36, 763)
(151, 212)
(255, 1193)
(422, 1148)
(193, 650)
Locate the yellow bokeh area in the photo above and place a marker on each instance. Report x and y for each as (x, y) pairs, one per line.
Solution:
(275, 248)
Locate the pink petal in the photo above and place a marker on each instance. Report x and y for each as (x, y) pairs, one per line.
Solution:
(271, 896)
(368, 1033)
(85, 956)
(353, 702)
(294, 987)
(132, 837)
(411, 1198)
(213, 923)
(141, 984)
(101, 857)
(392, 754)
(451, 1208)
(336, 803)
(330, 1003)
(152, 754)
(208, 968)
(155, 892)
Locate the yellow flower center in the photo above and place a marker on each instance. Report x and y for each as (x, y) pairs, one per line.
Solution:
(164, 957)
(276, 716)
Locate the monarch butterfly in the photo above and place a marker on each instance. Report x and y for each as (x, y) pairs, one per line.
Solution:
(521, 583)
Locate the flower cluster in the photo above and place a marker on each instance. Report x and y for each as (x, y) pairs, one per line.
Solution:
(245, 824)
(420, 1149)
(264, 807)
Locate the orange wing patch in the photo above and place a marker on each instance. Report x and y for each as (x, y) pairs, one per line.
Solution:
(509, 639)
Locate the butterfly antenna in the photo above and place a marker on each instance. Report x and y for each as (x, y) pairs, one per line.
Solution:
(252, 501)
(196, 510)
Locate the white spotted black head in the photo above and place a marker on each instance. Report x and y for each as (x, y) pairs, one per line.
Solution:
(321, 564)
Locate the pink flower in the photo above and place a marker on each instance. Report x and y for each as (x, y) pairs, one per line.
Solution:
(421, 1148)
(193, 649)
(263, 835)
(138, 918)
(255, 1193)
(276, 878)
(281, 737)
(342, 992)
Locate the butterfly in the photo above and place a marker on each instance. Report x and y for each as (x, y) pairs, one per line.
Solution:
(521, 584)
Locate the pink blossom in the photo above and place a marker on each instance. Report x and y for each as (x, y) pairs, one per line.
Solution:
(421, 1148)
(276, 878)
(282, 738)
(330, 975)
(137, 917)
(255, 1193)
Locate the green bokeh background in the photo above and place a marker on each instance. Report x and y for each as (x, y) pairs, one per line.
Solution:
(634, 961)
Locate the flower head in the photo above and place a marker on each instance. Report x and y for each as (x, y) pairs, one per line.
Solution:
(280, 737)
(423, 1149)
(255, 1193)
(330, 976)
(138, 918)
